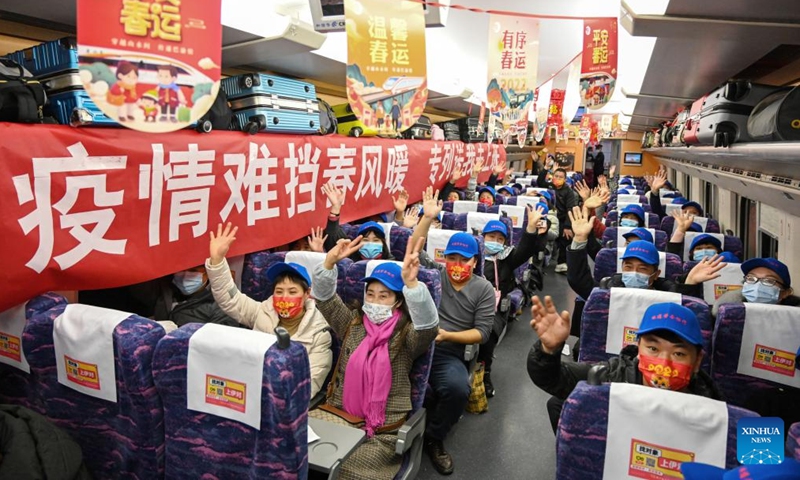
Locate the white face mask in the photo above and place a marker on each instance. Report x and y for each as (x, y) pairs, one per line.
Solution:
(377, 313)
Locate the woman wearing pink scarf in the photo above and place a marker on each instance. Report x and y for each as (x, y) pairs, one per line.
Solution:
(380, 341)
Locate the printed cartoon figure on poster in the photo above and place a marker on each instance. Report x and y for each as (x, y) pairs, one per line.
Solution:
(565, 157)
(386, 72)
(154, 65)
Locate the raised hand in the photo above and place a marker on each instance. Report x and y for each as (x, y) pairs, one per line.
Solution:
(534, 215)
(581, 223)
(583, 190)
(683, 220)
(343, 249)
(335, 196)
(657, 181)
(411, 218)
(431, 204)
(706, 270)
(456, 176)
(401, 201)
(410, 270)
(499, 169)
(599, 197)
(317, 240)
(221, 242)
(476, 169)
(551, 327)
(612, 170)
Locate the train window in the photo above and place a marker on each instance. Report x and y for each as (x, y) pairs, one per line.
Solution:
(769, 245)
(709, 199)
(748, 226)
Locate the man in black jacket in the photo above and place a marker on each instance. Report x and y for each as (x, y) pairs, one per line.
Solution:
(669, 336)
(599, 161)
(186, 298)
(565, 200)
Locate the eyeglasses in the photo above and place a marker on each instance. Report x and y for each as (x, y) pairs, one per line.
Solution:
(766, 281)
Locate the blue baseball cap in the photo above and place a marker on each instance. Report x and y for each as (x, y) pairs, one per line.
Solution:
(634, 209)
(546, 195)
(508, 189)
(463, 244)
(495, 226)
(422, 212)
(693, 204)
(679, 200)
(384, 217)
(282, 267)
(642, 250)
(371, 227)
(642, 233)
(570, 182)
(389, 274)
(729, 257)
(670, 195)
(695, 227)
(789, 469)
(543, 206)
(518, 187)
(673, 317)
(771, 263)
(705, 238)
(626, 181)
(623, 191)
(487, 189)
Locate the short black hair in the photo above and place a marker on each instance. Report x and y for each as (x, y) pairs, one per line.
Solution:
(673, 337)
(559, 169)
(292, 277)
(600, 146)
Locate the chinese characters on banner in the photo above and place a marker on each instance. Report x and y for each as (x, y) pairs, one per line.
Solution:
(513, 61)
(599, 64)
(386, 65)
(151, 65)
(92, 209)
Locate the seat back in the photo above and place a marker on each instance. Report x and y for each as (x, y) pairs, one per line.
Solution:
(16, 386)
(651, 222)
(257, 286)
(620, 205)
(728, 336)
(606, 264)
(583, 432)
(463, 221)
(518, 217)
(202, 445)
(729, 244)
(610, 238)
(466, 206)
(353, 287)
(630, 198)
(595, 325)
(122, 439)
(793, 442)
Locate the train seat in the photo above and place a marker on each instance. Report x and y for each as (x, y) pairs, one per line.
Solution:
(607, 263)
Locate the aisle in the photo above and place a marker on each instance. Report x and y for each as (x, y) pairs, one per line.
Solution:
(513, 440)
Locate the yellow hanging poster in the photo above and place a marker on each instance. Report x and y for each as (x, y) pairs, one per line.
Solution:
(386, 66)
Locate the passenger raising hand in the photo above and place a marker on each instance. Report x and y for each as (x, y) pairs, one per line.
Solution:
(551, 327)
(657, 181)
(316, 242)
(221, 242)
(683, 223)
(477, 167)
(534, 216)
(411, 217)
(343, 249)
(411, 263)
(431, 204)
(706, 270)
(582, 225)
(335, 196)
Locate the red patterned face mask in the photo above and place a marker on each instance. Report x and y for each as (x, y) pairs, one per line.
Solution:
(486, 201)
(664, 374)
(458, 272)
(287, 307)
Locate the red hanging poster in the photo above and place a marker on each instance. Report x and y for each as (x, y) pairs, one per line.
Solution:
(151, 65)
(599, 64)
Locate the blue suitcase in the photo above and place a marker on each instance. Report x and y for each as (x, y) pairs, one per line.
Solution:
(55, 65)
(272, 104)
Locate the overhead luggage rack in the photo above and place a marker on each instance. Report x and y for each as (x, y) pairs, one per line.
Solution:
(778, 159)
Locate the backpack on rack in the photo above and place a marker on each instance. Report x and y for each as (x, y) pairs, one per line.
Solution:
(21, 96)
(218, 117)
(327, 119)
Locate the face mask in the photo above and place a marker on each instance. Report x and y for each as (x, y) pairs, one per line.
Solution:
(493, 248)
(758, 293)
(376, 313)
(628, 222)
(664, 374)
(558, 183)
(486, 201)
(371, 250)
(458, 273)
(188, 282)
(635, 280)
(287, 307)
(699, 255)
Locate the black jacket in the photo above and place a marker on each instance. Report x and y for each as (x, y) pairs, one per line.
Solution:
(197, 308)
(599, 163)
(559, 379)
(565, 200)
(511, 259)
(658, 209)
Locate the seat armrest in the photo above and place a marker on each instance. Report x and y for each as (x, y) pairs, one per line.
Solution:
(410, 431)
(317, 400)
(471, 351)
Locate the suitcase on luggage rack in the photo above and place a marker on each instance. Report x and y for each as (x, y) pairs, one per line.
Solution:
(420, 130)
(693, 122)
(55, 65)
(470, 133)
(452, 132)
(272, 104)
(723, 119)
(776, 117)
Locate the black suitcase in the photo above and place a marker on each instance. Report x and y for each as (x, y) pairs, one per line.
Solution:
(420, 130)
(452, 132)
(470, 133)
(777, 117)
(21, 96)
(723, 120)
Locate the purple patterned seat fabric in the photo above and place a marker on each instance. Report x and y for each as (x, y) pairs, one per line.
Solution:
(16, 386)
(728, 332)
(257, 286)
(447, 220)
(119, 440)
(610, 239)
(517, 297)
(793, 442)
(733, 245)
(420, 371)
(205, 446)
(668, 224)
(583, 431)
(447, 207)
(594, 326)
(353, 287)
(399, 241)
(605, 264)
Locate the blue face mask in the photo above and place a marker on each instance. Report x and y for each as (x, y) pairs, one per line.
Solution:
(493, 248)
(188, 282)
(699, 255)
(635, 280)
(628, 222)
(758, 293)
(371, 250)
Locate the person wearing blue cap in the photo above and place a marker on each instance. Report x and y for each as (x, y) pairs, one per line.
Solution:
(639, 234)
(669, 337)
(380, 340)
(766, 280)
(632, 216)
(702, 246)
(373, 247)
(466, 316)
(789, 469)
(500, 262)
(486, 196)
(507, 191)
(487, 193)
(449, 192)
(656, 183)
(290, 305)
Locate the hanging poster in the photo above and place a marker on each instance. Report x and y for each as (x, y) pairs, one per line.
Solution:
(386, 79)
(151, 65)
(542, 109)
(572, 95)
(554, 122)
(513, 60)
(599, 64)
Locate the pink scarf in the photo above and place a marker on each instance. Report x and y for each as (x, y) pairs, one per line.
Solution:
(368, 375)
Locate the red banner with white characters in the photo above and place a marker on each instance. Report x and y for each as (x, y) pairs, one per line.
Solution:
(100, 208)
(599, 64)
